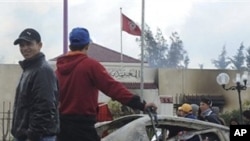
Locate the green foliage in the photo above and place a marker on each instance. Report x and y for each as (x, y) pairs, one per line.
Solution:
(234, 113)
(248, 58)
(176, 55)
(117, 109)
(155, 48)
(222, 62)
(159, 54)
(230, 114)
(238, 59)
(114, 107)
(186, 61)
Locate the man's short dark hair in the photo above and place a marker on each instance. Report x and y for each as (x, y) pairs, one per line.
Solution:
(76, 48)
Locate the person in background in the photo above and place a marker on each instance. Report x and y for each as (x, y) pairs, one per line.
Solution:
(179, 112)
(206, 113)
(187, 111)
(80, 78)
(234, 121)
(216, 110)
(246, 117)
(35, 116)
(195, 109)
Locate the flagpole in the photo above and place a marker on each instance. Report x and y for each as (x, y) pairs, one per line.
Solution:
(121, 35)
(142, 50)
(65, 26)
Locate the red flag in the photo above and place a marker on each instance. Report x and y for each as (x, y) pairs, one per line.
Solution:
(129, 26)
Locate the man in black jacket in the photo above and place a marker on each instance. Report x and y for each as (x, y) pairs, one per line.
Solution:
(35, 116)
(206, 113)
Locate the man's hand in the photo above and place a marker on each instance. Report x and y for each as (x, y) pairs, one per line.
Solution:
(150, 105)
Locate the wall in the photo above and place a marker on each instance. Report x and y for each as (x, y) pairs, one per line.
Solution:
(9, 75)
(171, 82)
(199, 82)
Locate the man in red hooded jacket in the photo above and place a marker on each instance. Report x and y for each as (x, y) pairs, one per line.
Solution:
(80, 78)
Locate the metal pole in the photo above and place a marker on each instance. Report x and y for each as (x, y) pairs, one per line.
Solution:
(121, 34)
(239, 90)
(65, 26)
(142, 50)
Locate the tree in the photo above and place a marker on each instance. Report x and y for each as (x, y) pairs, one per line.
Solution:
(176, 57)
(222, 62)
(238, 59)
(155, 48)
(201, 66)
(157, 53)
(248, 58)
(186, 61)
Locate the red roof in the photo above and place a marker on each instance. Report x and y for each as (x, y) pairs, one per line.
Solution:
(103, 54)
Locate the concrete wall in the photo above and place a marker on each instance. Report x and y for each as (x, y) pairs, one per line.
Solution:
(199, 82)
(9, 75)
(171, 81)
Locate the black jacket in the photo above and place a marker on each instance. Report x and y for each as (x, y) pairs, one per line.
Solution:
(211, 117)
(36, 103)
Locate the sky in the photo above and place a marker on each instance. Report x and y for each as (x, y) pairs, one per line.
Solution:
(204, 26)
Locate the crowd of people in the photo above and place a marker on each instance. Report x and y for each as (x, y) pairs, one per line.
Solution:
(207, 112)
(204, 111)
(62, 105)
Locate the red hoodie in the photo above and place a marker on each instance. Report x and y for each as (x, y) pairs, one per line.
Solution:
(80, 78)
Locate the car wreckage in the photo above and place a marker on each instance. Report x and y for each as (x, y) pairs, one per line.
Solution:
(142, 127)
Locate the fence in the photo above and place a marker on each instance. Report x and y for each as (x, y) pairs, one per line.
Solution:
(5, 119)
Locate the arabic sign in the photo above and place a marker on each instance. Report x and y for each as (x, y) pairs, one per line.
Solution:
(125, 73)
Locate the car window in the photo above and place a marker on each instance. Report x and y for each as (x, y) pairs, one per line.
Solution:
(204, 135)
(173, 133)
(166, 131)
(110, 127)
(210, 137)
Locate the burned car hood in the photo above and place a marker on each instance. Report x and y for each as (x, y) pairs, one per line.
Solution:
(136, 127)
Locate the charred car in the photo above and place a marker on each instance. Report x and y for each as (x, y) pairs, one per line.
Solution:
(140, 127)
